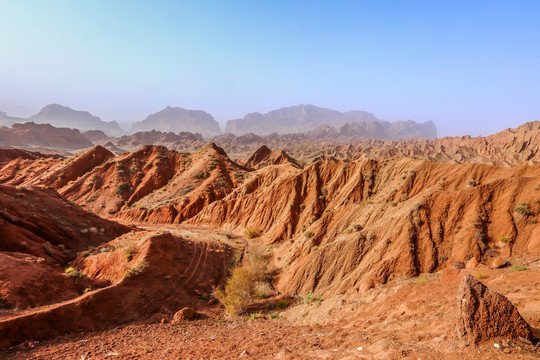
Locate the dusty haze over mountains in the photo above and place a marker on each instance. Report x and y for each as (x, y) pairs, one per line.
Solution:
(295, 119)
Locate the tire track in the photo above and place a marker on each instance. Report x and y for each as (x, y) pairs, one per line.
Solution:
(204, 249)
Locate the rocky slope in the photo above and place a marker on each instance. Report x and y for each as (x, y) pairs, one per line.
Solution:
(41, 233)
(340, 227)
(306, 118)
(179, 120)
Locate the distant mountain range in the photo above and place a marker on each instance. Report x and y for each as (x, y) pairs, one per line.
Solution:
(305, 118)
(65, 117)
(289, 120)
(179, 120)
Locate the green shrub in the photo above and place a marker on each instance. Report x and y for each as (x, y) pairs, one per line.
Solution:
(518, 268)
(255, 316)
(74, 273)
(239, 291)
(505, 239)
(480, 275)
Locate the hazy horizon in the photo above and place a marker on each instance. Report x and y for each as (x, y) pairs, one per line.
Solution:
(471, 68)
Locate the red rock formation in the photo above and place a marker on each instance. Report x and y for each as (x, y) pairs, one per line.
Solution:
(484, 314)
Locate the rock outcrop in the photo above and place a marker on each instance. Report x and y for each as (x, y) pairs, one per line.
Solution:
(484, 314)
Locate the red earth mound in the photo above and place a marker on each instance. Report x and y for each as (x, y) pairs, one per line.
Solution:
(41, 233)
(148, 273)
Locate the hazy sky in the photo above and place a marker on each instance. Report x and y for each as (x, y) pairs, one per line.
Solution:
(473, 67)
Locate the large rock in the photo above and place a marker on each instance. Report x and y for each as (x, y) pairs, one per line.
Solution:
(186, 313)
(484, 314)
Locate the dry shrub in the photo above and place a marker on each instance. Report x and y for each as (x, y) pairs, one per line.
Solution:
(257, 262)
(238, 292)
(252, 233)
(245, 283)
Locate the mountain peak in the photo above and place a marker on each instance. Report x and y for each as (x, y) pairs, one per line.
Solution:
(64, 116)
(176, 119)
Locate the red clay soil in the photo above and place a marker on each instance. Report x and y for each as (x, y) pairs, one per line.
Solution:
(148, 273)
(37, 221)
(27, 282)
(9, 154)
(41, 233)
(351, 232)
(404, 319)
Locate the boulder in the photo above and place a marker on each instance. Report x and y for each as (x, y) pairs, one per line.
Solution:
(472, 263)
(499, 262)
(484, 314)
(186, 313)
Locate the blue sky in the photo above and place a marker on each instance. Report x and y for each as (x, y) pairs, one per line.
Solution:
(473, 67)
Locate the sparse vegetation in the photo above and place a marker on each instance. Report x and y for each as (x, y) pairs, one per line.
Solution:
(282, 304)
(471, 182)
(309, 298)
(518, 268)
(252, 233)
(479, 275)
(523, 209)
(74, 273)
(255, 316)
(121, 188)
(308, 234)
(137, 270)
(129, 252)
(201, 175)
(212, 164)
(505, 239)
(243, 284)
